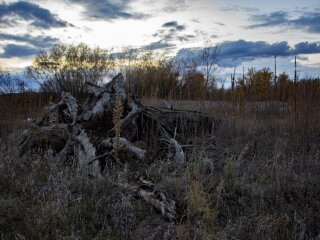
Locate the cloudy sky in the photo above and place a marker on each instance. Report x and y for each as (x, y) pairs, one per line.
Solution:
(249, 32)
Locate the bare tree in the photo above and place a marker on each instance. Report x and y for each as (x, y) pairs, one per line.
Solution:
(207, 61)
(202, 60)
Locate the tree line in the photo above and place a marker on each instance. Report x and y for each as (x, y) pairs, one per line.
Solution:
(150, 74)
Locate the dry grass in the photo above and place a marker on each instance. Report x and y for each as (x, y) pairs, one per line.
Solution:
(270, 192)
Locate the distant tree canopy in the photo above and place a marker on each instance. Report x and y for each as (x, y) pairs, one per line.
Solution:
(256, 83)
(150, 74)
(157, 75)
(194, 86)
(67, 67)
(259, 81)
(153, 76)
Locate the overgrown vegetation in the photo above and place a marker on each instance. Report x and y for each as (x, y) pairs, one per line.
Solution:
(256, 177)
(68, 67)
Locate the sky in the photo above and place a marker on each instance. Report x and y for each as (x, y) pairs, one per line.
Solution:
(248, 32)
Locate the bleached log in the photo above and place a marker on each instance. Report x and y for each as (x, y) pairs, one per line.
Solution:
(94, 89)
(66, 111)
(117, 86)
(124, 144)
(99, 108)
(86, 152)
(180, 157)
(105, 98)
(72, 104)
(149, 193)
(135, 111)
(157, 200)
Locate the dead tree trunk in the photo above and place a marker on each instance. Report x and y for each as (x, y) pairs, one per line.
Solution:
(85, 134)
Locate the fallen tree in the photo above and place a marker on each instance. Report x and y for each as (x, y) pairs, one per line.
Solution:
(90, 136)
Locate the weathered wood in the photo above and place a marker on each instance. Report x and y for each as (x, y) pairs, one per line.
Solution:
(97, 111)
(180, 157)
(73, 108)
(86, 152)
(66, 111)
(149, 193)
(117, 86)
(104, 98)
(84, 135)
(94, 89)
(125, 145)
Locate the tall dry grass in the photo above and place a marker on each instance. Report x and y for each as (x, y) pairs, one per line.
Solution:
(256, 177)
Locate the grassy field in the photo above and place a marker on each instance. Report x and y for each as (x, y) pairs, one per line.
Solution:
(256, 177)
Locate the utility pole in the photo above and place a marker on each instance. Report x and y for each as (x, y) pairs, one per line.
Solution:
(295, 69)
(295, 92)
(233, 79)
(275, 70)
(275, 95)
(243, 74)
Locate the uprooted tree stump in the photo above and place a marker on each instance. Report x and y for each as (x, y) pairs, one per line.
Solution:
(86, 135)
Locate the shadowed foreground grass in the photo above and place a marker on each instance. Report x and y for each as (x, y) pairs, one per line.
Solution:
(257, 177)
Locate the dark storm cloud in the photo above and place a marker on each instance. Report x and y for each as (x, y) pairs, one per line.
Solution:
(233, 53)
(14, 50)
(307, 48)
(25, 45)
(186, 38)
(36, 41)
(174, 25)
(271, 19)
(109, 9)
(159, 45)
(168, 33)
(308, 21)
(39, 17)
